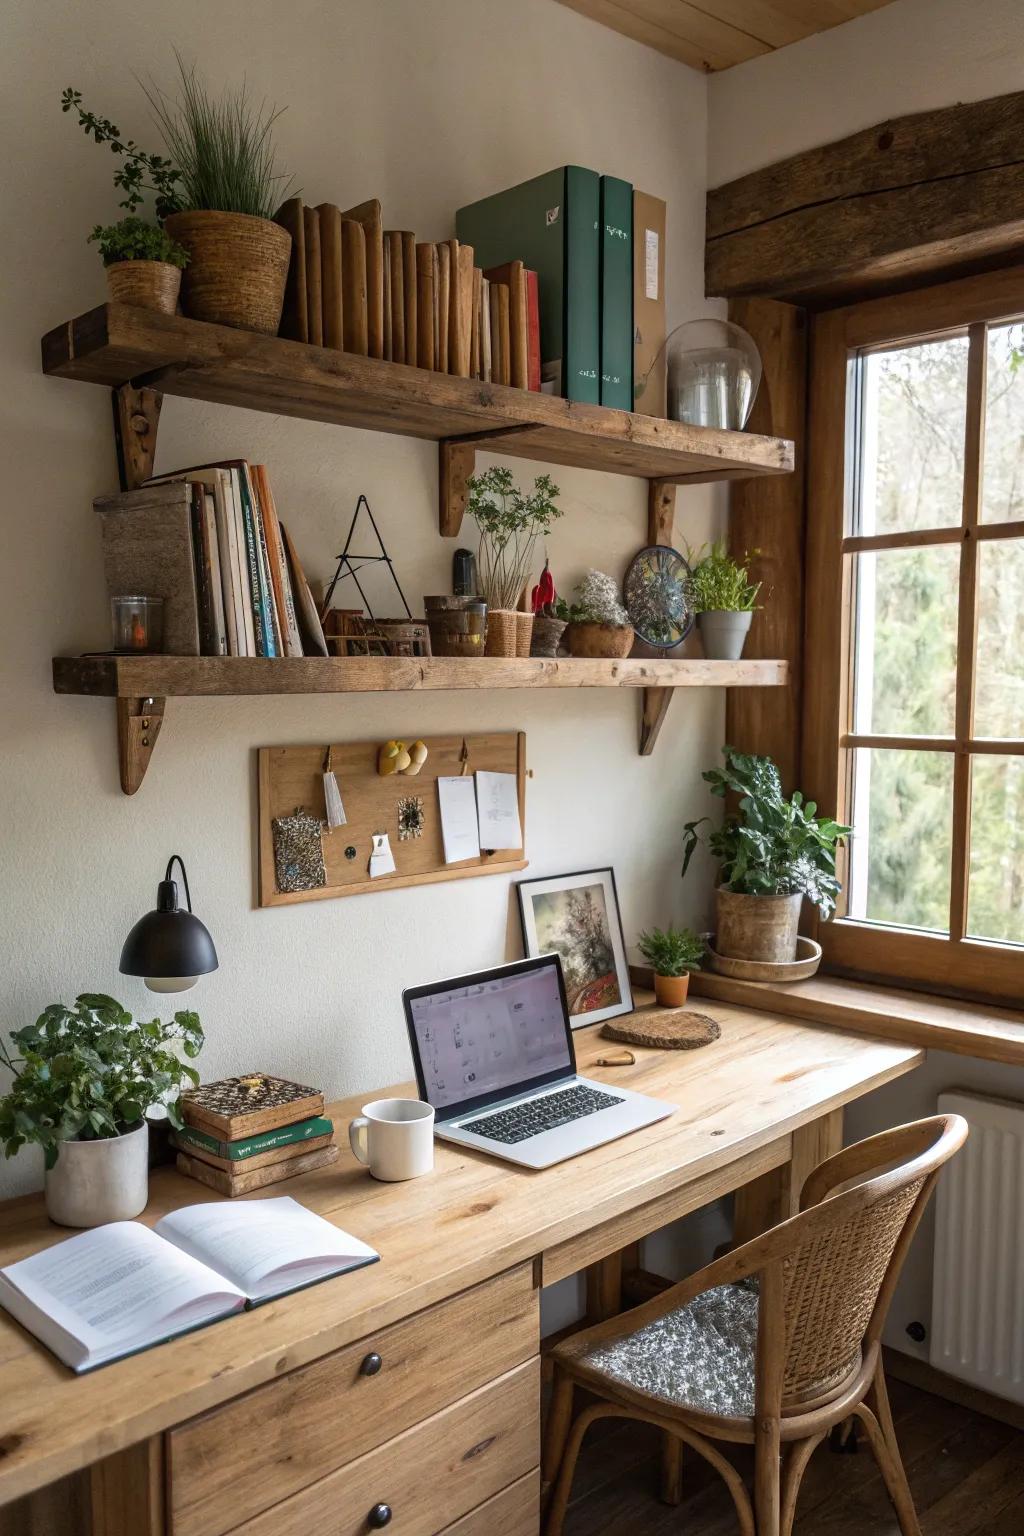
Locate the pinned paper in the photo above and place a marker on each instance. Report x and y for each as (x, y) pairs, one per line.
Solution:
(457, 801)
(382, 860)
(497, 799)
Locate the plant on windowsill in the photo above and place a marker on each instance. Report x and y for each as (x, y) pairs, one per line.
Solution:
(510, 524)
(773, 852)
(724, 598)
(598, 623)
(82, 1081)
(672, 953)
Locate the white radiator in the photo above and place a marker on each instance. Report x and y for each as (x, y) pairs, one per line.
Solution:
(977, 1331)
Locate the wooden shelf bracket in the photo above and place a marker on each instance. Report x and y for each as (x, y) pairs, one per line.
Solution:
(661, 516)
(138, 726)
(136, 418)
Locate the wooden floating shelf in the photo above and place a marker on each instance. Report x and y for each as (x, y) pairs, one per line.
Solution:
(140, 684)
(121, 346)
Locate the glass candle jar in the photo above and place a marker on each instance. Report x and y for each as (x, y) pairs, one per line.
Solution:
(137, 623)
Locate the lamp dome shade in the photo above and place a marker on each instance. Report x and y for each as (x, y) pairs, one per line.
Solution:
(168, 945)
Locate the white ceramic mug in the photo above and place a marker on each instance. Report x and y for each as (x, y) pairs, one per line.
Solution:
(394, 1138)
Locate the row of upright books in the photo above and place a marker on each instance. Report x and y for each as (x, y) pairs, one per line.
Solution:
(209, 541)
(357, 287)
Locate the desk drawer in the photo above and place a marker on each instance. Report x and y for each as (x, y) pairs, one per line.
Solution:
(237, 1460)
(515, 1511)
(429, 1477)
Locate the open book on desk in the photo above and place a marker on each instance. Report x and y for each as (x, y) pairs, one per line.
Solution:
(124, 1287)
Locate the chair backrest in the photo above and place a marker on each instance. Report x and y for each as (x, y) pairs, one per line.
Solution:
(828, 1274)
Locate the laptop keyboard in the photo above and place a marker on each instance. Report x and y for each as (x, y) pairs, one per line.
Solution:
(533, 1116)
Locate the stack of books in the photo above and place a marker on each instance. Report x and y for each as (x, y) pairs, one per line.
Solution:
(244, 1133)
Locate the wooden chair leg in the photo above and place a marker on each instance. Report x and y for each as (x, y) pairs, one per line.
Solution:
(767, 1479)
(671, 1468)
(563, 1485)
(876, 1416)
(797, 1457)
(557, 1429)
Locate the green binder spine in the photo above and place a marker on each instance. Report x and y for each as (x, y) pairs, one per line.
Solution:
(616, 293)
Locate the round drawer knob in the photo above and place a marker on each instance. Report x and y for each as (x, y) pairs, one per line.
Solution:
(369, 1366)
(379, 1516)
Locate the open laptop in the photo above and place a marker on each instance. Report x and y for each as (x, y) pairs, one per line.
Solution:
(494, 1055)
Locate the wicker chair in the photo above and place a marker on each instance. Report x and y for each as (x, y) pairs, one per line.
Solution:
(773, 1344)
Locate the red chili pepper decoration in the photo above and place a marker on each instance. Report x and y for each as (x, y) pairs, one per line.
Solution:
(544, 592)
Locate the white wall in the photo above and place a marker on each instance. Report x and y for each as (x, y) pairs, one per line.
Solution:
(426, 104)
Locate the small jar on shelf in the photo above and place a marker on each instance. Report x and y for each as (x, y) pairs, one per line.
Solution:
(137, 623)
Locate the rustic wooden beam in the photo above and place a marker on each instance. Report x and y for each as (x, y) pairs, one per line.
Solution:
(933, 194)
(770, 520)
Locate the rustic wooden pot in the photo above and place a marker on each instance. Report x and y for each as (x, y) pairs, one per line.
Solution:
(237, 271)
(599, 640)
(524, 633)
(756, 927)
(146, 284)
(671, 990)
(502, 631)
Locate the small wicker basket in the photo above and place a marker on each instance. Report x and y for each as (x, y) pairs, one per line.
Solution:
(145, 284)
(524, 633)
(502, 631)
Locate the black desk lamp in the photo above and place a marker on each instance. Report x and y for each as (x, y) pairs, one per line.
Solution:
(170, 948)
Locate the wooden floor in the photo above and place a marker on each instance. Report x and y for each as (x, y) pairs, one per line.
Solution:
(966, 1473)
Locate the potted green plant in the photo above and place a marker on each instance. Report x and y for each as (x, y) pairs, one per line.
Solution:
(142, 262)
(510, 524)
(724, 598)
(672, 953)
(598, 624)
(773, 852)
(82, 1081)
(215, 191)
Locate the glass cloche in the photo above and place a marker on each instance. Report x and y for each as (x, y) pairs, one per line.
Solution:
(714, 370)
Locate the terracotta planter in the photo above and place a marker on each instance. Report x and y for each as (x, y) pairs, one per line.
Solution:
(756, 927)
(146, 284)
(524, 633)
(599, 640)
(237, 271)
(671, 990)
(502, 631)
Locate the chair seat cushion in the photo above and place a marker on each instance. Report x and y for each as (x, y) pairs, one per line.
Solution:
(700, 1356)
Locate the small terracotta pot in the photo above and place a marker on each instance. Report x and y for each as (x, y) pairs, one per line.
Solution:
(145, 284)
(671, 990)
(237, 271)
(524, 633)
(599, 640)
(756, 927)
(502, 631)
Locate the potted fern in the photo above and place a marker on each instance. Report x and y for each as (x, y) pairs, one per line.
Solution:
(723, 597)
(82, 1081)
(598, 624)
(672, 953)
(773, 852)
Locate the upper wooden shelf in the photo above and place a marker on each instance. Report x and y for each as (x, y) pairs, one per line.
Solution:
(116, 345)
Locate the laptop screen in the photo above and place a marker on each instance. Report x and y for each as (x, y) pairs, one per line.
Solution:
(481, 1038)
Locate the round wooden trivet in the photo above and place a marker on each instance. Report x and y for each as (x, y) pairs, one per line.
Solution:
(674, 1029)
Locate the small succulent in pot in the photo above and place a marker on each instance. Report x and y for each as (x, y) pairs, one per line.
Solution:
(723, 598)
(672, 953)
(142, 262)
(598, 623)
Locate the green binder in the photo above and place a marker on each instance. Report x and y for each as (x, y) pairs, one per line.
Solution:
(616, 293)
(552, 224)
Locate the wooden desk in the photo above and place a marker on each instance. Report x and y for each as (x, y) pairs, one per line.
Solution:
(447, 1432)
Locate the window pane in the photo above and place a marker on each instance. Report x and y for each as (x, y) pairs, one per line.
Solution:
(905, 654)
(995, 903)
(901, 848)
(911, 461)
(999, 680)
(1003, 488)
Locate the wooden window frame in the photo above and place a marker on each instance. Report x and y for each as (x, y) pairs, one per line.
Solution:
(954, 963)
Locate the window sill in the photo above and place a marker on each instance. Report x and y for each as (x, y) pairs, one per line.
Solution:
(914, 1018)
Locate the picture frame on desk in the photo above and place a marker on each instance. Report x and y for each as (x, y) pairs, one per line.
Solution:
(576, 916)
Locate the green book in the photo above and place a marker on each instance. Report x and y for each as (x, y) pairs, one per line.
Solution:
(616, 293)
(237, 1151)
(552, 224)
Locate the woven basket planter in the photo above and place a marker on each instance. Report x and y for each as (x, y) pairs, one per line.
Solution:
(237, 269)
(524, 633)
(502, 628)
(546, 635)
(145, 284)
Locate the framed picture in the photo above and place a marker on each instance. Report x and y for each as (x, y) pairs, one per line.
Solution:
(577, 918)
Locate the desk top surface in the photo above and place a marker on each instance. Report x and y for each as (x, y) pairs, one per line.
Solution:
(469, 1220)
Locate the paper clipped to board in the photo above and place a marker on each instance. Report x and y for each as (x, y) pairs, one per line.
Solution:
(497, 799)
(457, 801)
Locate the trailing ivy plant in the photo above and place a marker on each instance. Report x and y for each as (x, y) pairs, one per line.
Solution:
(772, 846)
(720, 584)
(671, 951)
(90, 1072)
(133, 239)
(140, 174)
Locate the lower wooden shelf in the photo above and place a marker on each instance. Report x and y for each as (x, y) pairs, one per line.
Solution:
(140, 684)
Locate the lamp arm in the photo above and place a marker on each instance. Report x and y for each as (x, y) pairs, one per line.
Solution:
(176, 858)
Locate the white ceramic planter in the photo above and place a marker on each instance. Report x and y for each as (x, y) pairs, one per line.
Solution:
(93, 1182)
(723, 634)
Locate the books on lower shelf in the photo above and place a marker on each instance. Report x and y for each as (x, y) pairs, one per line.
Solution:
(245, 1133)
(122, 1288)
(208, 540)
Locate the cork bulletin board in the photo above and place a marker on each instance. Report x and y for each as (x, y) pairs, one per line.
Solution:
(291, 779)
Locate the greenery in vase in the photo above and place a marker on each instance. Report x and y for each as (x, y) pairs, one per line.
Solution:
(720, 584)
(133, 239)
(671, 951)
(597, 602)
(89, 1072)
(772, 846)
(509, 525)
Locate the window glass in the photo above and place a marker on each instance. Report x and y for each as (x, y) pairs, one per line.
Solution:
(905, 656)
(1003, 480)
(901, 848)
(995, 902)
